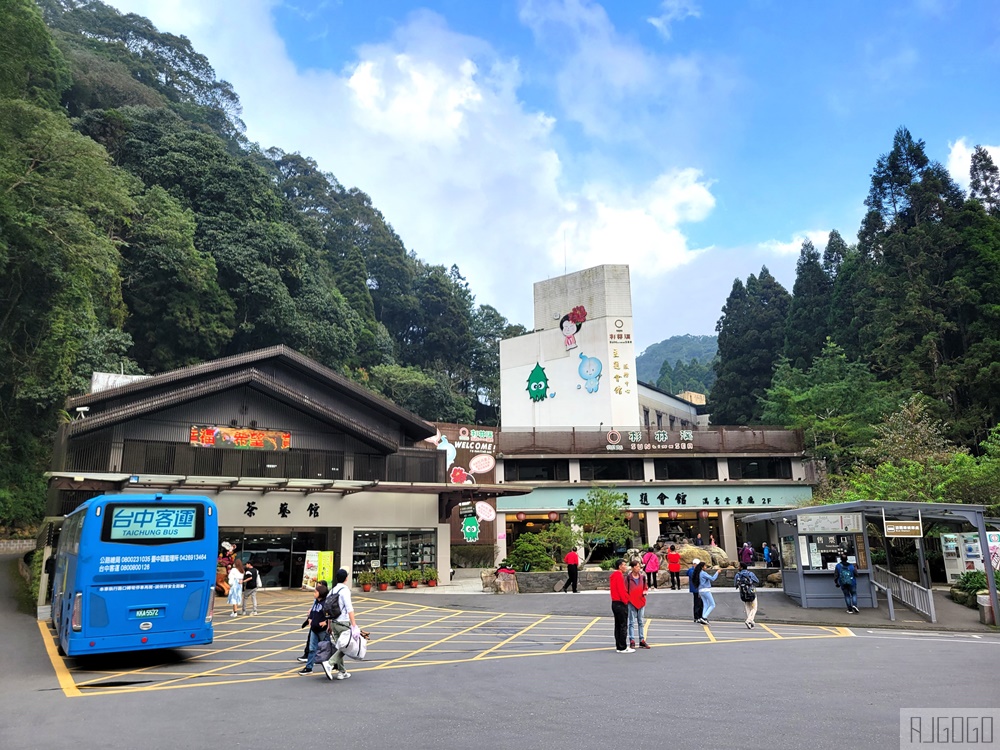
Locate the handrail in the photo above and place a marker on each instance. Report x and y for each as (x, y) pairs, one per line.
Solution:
(913, 595)
(888, 596)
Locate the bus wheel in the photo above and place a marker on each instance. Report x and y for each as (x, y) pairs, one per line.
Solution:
(59, 650)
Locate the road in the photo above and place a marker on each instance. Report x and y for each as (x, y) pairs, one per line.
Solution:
(442, 677)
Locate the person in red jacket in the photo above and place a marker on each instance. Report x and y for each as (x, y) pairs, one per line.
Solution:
(572, 561)
(674, 568)
(619, 607)
(636, 587)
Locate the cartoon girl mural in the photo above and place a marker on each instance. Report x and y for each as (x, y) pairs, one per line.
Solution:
(570, 325)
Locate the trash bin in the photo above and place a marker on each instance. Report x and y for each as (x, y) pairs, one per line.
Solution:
(986, 616)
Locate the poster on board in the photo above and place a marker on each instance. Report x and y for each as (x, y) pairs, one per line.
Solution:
(310, 572)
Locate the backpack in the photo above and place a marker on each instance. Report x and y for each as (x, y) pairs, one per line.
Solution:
(260, 585)
(845, 577)
(331, 606)
(747, 591)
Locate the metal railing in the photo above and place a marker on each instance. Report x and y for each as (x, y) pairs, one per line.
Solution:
(914, 596)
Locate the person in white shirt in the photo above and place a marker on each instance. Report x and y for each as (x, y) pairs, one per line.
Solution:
(344, 621)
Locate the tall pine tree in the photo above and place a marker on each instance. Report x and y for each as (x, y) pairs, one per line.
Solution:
(751, 338)
(809, 311)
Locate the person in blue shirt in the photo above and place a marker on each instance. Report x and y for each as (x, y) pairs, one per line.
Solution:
(846, 579)
(767, 555)
(705, 591)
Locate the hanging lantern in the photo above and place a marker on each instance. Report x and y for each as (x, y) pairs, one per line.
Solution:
(520, 516)
(672, 515)
(553, 516)
(702, 514)
(628, 515)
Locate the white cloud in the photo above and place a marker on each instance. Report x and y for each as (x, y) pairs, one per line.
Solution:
(817, 236)
(671, 11)
(616, 89)
(428, 122)
(960, 160)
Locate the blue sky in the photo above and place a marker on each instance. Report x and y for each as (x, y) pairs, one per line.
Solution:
(695, 141)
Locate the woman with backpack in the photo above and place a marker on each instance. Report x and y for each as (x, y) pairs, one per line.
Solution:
(747, 584)
(845, 578)
(705, 591)
(651, 564)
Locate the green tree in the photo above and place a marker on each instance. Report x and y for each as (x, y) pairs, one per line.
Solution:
(751, 338)
(984, 184)
(529, 553)
(809, 309)
(601, 519)
(835, 402)
(428, 394)
(31, 66)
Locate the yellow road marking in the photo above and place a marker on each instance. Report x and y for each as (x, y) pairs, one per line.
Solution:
(579, 635)
(708, 632)
(58, 665)
(511, 638)
(436, 643)
(769, 630)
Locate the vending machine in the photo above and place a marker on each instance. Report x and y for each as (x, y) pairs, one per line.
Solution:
(961, 552)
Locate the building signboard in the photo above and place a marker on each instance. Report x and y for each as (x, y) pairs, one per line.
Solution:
(904, 528)
(830, 523)
(661, 497)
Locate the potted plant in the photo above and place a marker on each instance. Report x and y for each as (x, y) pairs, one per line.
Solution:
(366, 579)
(399, 578)
(430, 576)
(414, 576)
(383, 577)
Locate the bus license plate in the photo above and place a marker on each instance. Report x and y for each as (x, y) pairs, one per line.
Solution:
(142, 613)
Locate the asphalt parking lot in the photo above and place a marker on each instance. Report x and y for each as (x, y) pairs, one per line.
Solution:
(404, 635)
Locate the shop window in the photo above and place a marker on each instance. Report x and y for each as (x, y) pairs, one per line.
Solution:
(406, 549)
(536, 470)
(685, 468)
(760, 468)
(610, 469)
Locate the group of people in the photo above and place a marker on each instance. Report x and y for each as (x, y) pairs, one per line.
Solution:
(243, 580)
(629, 584)
(331, 614)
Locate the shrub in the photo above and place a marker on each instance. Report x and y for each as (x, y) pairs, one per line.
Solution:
(971, 581)
(529, 551)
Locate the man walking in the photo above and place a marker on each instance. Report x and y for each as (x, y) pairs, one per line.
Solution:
(250, 579)
(572, 561)
(619, 607)
(746, 582)
(693, 588)
(341, 609)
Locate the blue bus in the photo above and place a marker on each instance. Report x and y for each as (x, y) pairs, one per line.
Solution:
(135, 572)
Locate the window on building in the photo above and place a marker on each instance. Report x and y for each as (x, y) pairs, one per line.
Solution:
(610, 469)
(659, 421)
(536, 470)
(645, 416)
(760, 468)
(685, 468)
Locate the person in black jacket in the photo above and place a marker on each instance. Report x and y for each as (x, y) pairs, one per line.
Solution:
(318, 626)
(250, 576)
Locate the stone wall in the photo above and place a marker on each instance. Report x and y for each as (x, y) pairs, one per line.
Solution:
(16, 546)
(597, 580)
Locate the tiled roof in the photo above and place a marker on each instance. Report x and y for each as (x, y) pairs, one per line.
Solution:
(413, 424)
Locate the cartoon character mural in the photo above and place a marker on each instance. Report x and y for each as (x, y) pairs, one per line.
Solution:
(590, 370)
(570, 325)
(538, 383)
(470, 529)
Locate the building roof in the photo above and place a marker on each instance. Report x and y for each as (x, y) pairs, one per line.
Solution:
(894, 510)
(196, 381)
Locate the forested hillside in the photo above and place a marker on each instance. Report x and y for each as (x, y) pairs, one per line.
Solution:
(676, 348)
(141, 231)
(912, 308)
